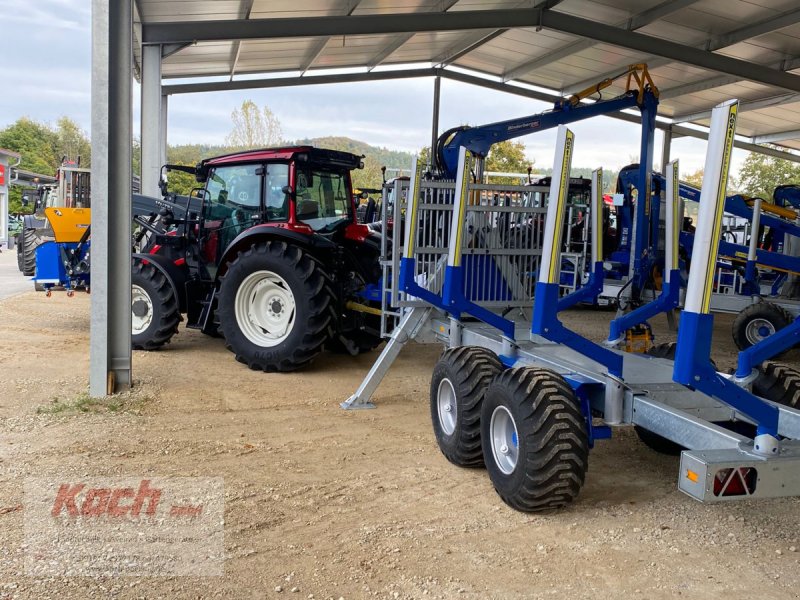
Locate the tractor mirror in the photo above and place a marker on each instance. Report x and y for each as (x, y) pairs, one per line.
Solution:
(287, 189)
(25, 201)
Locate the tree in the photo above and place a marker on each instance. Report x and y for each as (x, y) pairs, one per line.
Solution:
(72, 142)
(695, 179)
(761, 174)
(507, 157)
(254, 128)
(36, 142)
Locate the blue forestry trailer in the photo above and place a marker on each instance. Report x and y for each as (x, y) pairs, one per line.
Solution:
(518, 391)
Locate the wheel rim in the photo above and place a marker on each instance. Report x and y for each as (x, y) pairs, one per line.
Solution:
(446, 401)
(265, 308)
(141, 310)
(505, 441)
(758, 329)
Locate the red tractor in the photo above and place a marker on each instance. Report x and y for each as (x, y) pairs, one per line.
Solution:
(268, 254)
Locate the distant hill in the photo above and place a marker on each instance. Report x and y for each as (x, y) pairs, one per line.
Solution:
(384, 156)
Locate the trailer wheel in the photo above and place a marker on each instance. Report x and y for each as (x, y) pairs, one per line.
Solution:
(459, 381)
(274, 307)
(757, 322)
(778, 382)
(534, 438)
(155, 313)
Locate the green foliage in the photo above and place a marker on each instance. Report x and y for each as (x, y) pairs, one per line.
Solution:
(37, 143)
(761, 174)
(42, 147)
(507, 157)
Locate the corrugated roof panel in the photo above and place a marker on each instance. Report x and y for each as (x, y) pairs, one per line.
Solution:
(691, 25)
(155, 11)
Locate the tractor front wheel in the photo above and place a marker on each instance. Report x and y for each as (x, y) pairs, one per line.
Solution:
(274, 307)
(155, 313)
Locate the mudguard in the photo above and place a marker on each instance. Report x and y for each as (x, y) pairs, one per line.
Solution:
(305, 238)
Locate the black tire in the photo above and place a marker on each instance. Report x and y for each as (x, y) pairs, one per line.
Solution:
(778, 382)
(552, 441)
(27, 251)
(353, 342)
(468, 370)
(308, 283)
(20, 258)
(770, 316)
(163, 307)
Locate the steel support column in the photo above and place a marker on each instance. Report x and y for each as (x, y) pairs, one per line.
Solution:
(151, 119)
(437, 91)
(666, 148)
(163, 123)
(112, 88)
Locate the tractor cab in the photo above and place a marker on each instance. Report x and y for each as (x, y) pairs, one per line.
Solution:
(303, 190)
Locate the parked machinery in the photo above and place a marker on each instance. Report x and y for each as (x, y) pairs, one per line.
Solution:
(273, 260)
(72, 189)
(523, 396)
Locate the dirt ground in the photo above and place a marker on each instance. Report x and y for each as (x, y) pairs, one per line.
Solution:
(323, 503)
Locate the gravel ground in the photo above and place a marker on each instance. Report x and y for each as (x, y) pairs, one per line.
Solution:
(322, 503)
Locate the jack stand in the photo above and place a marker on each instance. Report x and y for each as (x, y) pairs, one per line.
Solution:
(406, 330)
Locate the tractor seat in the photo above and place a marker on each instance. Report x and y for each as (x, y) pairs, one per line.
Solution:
(307, 209)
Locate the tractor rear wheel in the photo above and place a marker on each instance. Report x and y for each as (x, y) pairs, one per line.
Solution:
(155, 312)
(757, 322)
(26, 251)
(459, 381)
(534, 438)
(274, 307)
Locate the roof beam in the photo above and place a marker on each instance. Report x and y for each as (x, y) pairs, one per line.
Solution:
(631, 24)
(743, 106)
(400, 41)
(474, 41)
(712, 44)
(319, 45)
(778, 136)
(161, 33)
(276, 82)
(245, 11)
(719, 81)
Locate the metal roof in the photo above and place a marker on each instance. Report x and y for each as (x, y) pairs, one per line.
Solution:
(700, 52)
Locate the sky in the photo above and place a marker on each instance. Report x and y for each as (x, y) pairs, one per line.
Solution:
(48, 67)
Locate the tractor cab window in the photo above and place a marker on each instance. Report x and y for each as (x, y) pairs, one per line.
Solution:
(277, 200)
(232, 204)
(323, 198)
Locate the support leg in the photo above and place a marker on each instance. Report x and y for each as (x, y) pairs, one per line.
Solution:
(405, 331)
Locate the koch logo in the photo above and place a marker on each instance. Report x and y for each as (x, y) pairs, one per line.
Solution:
(137, 526)
(75, 500)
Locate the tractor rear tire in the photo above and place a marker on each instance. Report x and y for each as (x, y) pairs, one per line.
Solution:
(459, 381)
(274, 307)
(26, 251)
(758, 321)
(534, 437)
(155, 312)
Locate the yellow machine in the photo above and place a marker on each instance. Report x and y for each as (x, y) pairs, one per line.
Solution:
(69, 224)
